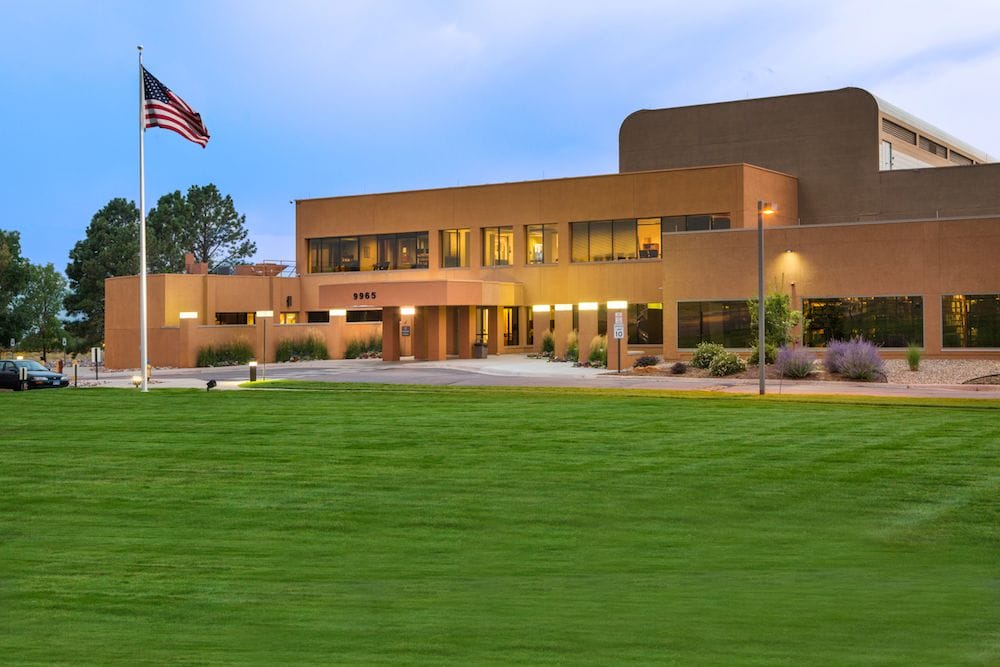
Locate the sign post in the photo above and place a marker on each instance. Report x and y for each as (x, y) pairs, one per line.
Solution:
(619, 333)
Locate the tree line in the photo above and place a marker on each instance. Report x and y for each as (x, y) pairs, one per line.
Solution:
(39, 307)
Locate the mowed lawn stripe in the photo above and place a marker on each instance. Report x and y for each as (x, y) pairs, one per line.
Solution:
(477, 525)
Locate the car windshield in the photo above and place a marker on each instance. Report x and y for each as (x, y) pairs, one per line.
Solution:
(30, 364)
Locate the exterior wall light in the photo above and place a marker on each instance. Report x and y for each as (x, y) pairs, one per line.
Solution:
(587, 305)
(265, 313)
(617, 305)
(408, 310)
(563, 307)
(338, 312)
(188, 315)
(540, 308)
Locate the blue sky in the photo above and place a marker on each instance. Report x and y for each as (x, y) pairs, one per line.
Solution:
(312, 99)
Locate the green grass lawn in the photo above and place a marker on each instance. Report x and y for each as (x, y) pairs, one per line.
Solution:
(369, 524)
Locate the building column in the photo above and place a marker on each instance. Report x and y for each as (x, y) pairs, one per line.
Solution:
(335, 333)
(933, 331)
(540, 316)
(617, 312)
(588, 328)
(564, 324)
(187, 355)
(493, 329)
(466, 330)
(435, 325)
(390, 333)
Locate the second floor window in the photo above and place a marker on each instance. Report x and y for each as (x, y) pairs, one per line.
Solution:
(542, 244)
(498, 246)
(454, 247)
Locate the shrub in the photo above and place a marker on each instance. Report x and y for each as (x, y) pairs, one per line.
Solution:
(794, 362)
(227, 354)
(598, 351)
(646, 360)
(861, 361)
(680, 368)
(705, 353)
(358, 348)
(548, 343)
(572, 346)
(770, 353)
(303, 349)
(726, 363)
(834, 358)
(913, 354)
(779, 318)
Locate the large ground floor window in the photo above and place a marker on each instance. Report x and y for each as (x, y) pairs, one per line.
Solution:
(890, 321)
(970, 320)
(645, 324)
(724, 322)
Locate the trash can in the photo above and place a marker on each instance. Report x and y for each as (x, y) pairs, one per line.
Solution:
(479, 350)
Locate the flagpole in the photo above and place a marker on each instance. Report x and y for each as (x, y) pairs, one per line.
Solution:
(143, 342)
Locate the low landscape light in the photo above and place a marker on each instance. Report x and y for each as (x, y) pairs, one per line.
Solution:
(136, 380)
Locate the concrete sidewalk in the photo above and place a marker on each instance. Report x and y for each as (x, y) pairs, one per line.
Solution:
(519, 370)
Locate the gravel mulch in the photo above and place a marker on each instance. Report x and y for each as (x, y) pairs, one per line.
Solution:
(931, 371)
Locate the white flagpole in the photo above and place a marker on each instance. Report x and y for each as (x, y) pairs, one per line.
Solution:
(143, 342)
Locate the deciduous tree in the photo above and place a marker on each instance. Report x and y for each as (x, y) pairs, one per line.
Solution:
(14, 275)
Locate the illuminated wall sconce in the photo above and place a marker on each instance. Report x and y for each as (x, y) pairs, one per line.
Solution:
(265, 313)
(338, 312)
(587, 305)
(189, 315)
(617, 305)
(563, 307)
(408, 310)
(540, 308)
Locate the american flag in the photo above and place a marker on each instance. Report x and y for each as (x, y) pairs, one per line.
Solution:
(165, 109)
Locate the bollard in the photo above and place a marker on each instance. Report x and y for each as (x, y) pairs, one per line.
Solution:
(253, 371)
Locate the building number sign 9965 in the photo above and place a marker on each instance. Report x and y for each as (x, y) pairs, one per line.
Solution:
(362, 296)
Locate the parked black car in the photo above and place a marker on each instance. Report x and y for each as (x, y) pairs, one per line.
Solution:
(39, 377)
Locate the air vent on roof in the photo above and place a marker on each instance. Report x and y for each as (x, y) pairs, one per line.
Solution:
(933, 147)
(899, 131)
(958, 158)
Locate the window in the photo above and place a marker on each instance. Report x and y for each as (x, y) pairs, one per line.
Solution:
(369, 253)
(648, 232)
(235, 318)
(317, 316)
(454, 247)
(697, 223)
(498, 246)
(891, 321)
(615, 240)
(367, 315)
(288, 318)
(542, 244)
(725, 322)
(970, 320)
(511, 330)
(645, 323)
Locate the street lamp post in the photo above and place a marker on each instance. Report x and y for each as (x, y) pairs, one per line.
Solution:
(763, 208)
(263, 315)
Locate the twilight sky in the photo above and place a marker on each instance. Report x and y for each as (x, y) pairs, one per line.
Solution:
(312, 99)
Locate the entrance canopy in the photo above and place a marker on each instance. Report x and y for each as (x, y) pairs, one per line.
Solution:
(385, 294)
